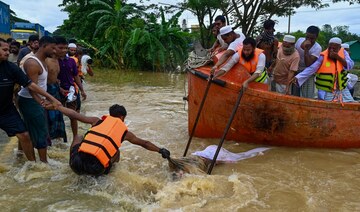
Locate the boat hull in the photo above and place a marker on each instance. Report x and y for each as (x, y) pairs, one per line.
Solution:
(269, 118)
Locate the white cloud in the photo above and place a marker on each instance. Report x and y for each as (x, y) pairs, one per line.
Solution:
(48, 14)
(45, 12)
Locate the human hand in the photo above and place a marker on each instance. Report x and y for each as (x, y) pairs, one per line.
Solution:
(213, 69)
(164, 153)
(293, 81)
(307, 45)
(333, 55)
(83, 94)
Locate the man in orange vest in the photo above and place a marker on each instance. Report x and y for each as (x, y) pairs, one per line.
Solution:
(251, 58)
(331, 71)
(99, 149)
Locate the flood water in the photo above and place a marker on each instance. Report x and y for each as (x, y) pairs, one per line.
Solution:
(281, 179)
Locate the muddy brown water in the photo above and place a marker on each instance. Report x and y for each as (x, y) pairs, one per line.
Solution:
(281, 179)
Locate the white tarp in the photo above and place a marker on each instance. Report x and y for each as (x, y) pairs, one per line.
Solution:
(226, 156)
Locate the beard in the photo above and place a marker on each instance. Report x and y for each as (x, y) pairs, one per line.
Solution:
(249, 57)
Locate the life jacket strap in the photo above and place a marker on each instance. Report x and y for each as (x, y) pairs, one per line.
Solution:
(100, 146)
(104, 136)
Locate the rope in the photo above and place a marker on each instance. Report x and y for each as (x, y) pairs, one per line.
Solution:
(196, 61)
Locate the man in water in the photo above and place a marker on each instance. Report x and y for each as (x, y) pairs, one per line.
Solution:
(10, 120)
(30, 104)
(99, 149)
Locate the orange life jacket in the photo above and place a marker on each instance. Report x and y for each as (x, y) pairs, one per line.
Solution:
(104, 140)
(331, 74)
(250, 65)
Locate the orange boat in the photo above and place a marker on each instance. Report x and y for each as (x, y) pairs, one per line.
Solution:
(268, 118)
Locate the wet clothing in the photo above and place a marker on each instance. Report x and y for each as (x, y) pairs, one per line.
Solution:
(56, 122)
(35, 122)
(10, 74)
(33, 113)
(68, 70)
(11, 122)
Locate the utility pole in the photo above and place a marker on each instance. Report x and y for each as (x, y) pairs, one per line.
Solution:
(289, 17)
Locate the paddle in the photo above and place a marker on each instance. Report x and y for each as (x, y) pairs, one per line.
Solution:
(226, 129)
(198, 114)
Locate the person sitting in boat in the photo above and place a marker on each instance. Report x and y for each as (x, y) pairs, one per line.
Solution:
(251, 58)
(235, 42)
(285, 66)
(99, 149)
(331, 71)
(219, 44)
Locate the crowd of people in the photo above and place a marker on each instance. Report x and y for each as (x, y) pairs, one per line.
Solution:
(50, 71)
(294, 67)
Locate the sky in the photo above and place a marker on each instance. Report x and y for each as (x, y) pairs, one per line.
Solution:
(48, 14)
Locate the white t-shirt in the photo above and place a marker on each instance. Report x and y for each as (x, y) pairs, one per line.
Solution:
(221, 41)
(314, 51)
(237, 43)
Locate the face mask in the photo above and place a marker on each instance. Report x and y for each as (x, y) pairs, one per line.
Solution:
(288, 50)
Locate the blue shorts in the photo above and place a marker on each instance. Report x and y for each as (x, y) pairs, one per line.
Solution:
(11, 122)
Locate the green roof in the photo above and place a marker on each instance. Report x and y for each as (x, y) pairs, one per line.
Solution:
(351, 42)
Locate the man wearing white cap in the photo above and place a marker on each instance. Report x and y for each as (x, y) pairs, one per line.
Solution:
(235, 42)
(251, 58)
(285, 65)
(352, 77)
(331, 71)
(309, 51)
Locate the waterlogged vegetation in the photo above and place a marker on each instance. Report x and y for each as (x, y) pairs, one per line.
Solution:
(144, 36)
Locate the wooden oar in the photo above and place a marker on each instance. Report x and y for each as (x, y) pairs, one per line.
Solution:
(226, 129)
(198, 114)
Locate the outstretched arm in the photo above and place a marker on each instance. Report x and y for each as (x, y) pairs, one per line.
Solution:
(78, 116)
(146, 144)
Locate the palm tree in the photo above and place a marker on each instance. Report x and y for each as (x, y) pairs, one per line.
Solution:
(113, 26)
(157, 46)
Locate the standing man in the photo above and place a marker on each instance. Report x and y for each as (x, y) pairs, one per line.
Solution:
(219, 23)
(309, 51)
(267, 42)
(235, 42)
(56, 122)
(14, 52)
(331, 71)
(285, 66)
(251, 58)
(33, 46)
(10, 120)
(30, 104)
(68, 77)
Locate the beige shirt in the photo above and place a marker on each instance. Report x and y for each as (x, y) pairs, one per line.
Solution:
(285, 64)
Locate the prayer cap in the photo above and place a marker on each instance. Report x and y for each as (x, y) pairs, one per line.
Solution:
(72, 45)
(225, 30)
(345, 46)
(289, 39)
(335, 40)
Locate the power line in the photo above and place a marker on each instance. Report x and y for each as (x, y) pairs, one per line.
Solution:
(325, 10)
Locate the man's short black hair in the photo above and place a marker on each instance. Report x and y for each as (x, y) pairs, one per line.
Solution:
(33, 38)
(15, 43)
(10, 40)
(269, 24)
(3, 40)
(117, 110)
(72, 40)
(220, 18)
(46, 40)
(250, 41)
(60, 40)
(313, 30)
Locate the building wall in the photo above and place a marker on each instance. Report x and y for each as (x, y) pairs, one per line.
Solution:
(355, 51)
